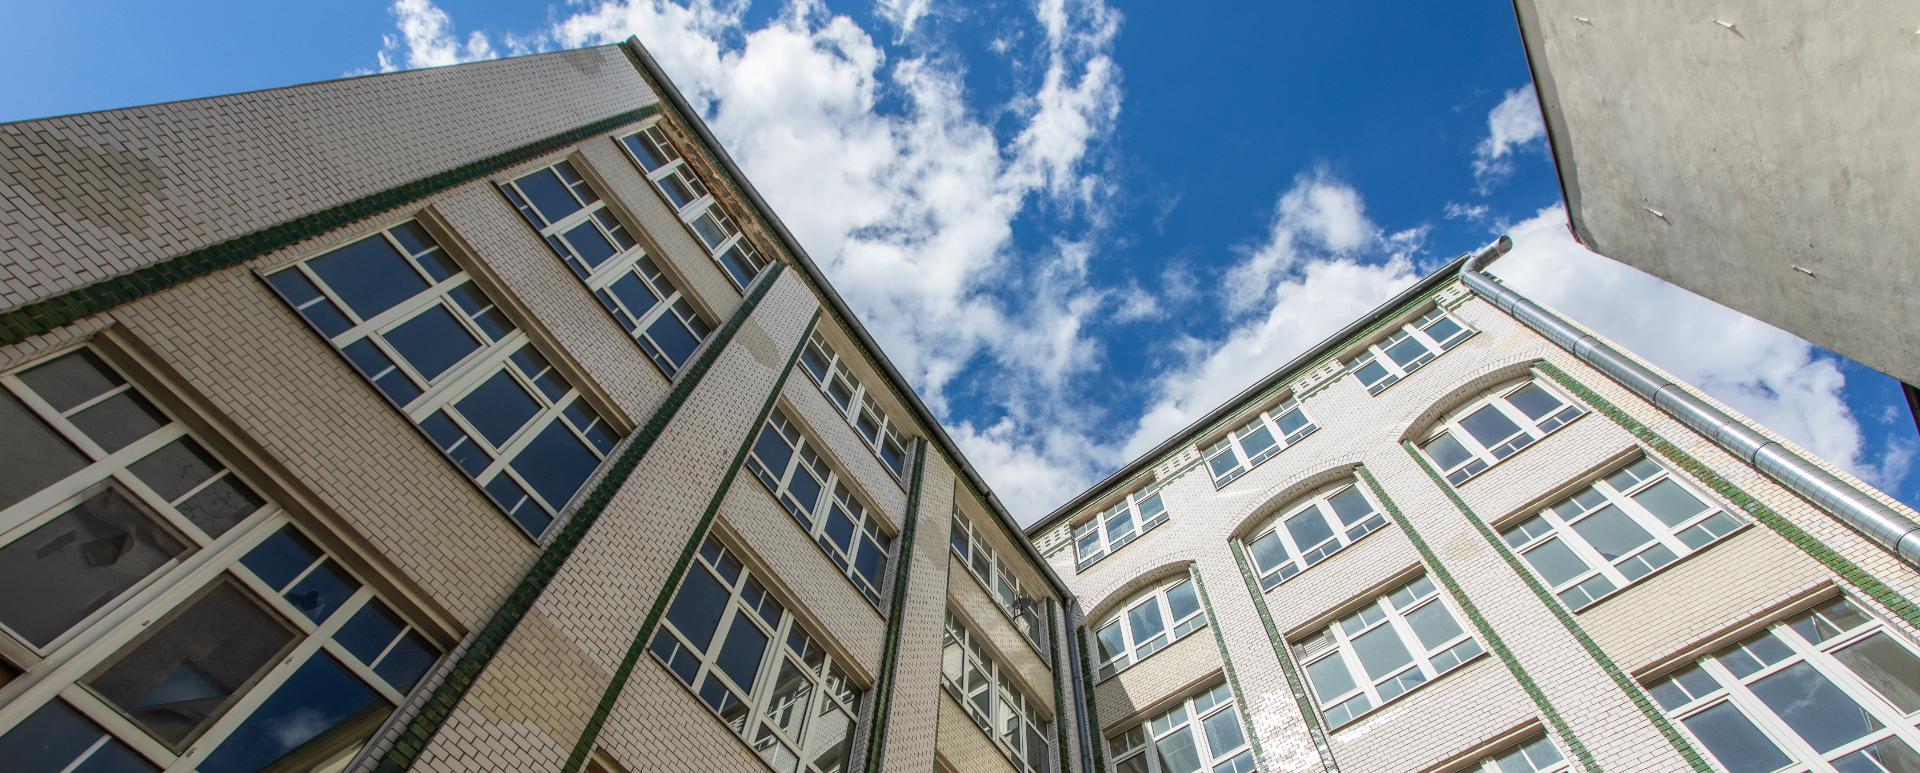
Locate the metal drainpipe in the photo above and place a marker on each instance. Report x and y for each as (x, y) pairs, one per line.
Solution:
(1893, 531)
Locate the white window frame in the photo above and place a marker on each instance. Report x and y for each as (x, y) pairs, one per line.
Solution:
(673, 178)
(1274, 549)
(1534, 755)
(969, 544)
(852, 400)
(1418, 342)
(1256, 440)
(807, 461)
(1622, 490)
(1685, 695)
(1197, 720)
(425, 400)
(1016, 723)
(1117, 640)
(1119, 525)
(1391, 611)
(1475, 457)
(773, 723)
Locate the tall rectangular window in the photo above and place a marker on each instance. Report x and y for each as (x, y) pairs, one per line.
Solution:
(1397, 642)
(417, 326)
(1135, 514)
(1407, 349)
(854, 537)
(851, 398)
(1257, 440)
(970, 545)
(1202, 733)
(1017, 724)
(1495, 426)
(681, 187)
(1312, 529)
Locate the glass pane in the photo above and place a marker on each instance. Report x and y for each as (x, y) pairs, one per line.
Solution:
(1733, 740)
(549, 195)
(1889, 756)
(221, 505)
(322, 591)
(1887, 667)
(1447, 452)
(1381, 651)
(633, 294)
(1330, 677)
(787, 707)
(54, 737)
(1612, 533)
(407, 661)
(673, 337)
(498, 408)
(176, 468)
(321, 714)
(1268, 552)
(119, 420)
(1113, 642)
(1816, 709)
(370, 275)
(555, 463)
(1434, 625)
(1489, 426)
(740, 655)
(1223, 732)
(1443, 329)
(1257, 442)
(1182, 601)
(709, 230)
(1309, 528)
(1371, 373)
(1145, 621)
(829, 736)
(1535, 402)
(1670, 502)
(34, 456)
(592, 245)
(71, 380)
(697, 607)
(369, 631)
(281, 557)
(1556, 562)
(432, 341)
(64, 571)
(1177, 752)
(1351, 506)
(1407, 351)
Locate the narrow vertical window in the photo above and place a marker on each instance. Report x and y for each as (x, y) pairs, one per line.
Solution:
(1311, 530)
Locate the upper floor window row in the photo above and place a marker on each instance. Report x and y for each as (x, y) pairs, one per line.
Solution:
(798, 476)
(1309, 531)
(1397, 642)
(971, 546)
(1017, 724)
(1134, 515)
(1415, 344)
(414, 323)
(1147, 624)
(577, 225)
(1257, 440)
(1495, 427)
(829, 370)
(1537, 755)
(1203, 733)
(695, 204)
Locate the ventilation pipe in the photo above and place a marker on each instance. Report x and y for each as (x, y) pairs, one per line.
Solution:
(1893, 531)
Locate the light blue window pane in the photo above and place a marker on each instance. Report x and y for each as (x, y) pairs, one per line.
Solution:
(1381, 651)
(1611, 532)
(1733, 740)
(1178, 754)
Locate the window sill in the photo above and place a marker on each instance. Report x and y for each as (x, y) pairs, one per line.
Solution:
(1130, 543)
(1123, 669)
(995, 601)
(1737, 530)
(1323, 561)
(1358, 720)
(878, 609)
(862, 439)
(953, 692)
(1221, 484)
(1584, 412)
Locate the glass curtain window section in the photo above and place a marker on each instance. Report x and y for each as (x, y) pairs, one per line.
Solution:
(687, 195)
(1397, 642)
(1309, 531)
(1203, 733)
(415, 325)
(1832, 690)
(1257, 440)
(854, 537)
(752, 663)
(1407, 349)
(1495, 427)
(1017, 724)
(1134, 515)
(1622, 528)
(970, 545)
(1147, 624)
(830, 372)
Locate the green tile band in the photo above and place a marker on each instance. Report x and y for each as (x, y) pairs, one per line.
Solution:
(1840, 565)
(896, 606)
(1059, 689)
(421, 729)
(1613, 670)
(53, 312)
(607, 700)
(1098, 737)
(1308, 711)
(1226, 662)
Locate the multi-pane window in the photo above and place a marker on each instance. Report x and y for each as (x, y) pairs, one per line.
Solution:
(172, 616)
(1203, 733)
(1147, 624)
(1415, 344)
(798, 477)
(1831, 690)
(1395, 643)
(831, 373)
(1616, 531)
(1495, 427)
(414, 323)
(1537, 755)
(1257, 440)
(753, 664)
(1134, 515)
(696, 205)
(1311, 530)
(584, 233)
(992, 571)
(1017, 724)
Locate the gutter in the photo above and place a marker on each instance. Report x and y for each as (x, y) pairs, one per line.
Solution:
(1893, 531)
(938, 433)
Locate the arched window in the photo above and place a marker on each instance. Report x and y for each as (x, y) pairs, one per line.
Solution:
(1495, 427)
(1201, 733)
(1147, 623)
(1310, 530)
(1398, 641)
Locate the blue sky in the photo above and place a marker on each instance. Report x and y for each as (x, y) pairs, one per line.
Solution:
(1075, 225)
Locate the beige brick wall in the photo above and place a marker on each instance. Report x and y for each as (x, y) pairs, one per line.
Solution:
(963, 745)
(1130, 697)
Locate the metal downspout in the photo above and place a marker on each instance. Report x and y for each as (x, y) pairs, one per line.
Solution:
(1893, 531)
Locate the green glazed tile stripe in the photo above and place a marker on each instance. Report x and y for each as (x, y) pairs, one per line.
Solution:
(896, 606)
(1301, 698)
(1613, 670)
(1840, 565)
(49, 313)
(600, 713)
(487, 643)
(1059, 689)
(1226, 662)
(1099, 739)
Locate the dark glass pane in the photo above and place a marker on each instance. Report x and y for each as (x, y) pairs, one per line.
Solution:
(369, 275)
(1489, 426)
(839, 528)
(1887, 667)
(517, 504)
(1443, 329)
(592, 245)
(1351, 506)
(1406, 351)
(281, 557)
(805, 488)
(548, 195)
(414, 238)
(1669, 502)
(407, 661)
(369, 631)
(697, 607)
(1371, 372)
(294, 286)
(33, 455)
(555, 464)
(75, 564)
(452, 439)
(473, 301)
(740, 655)
(221, 505)
(321, 712)
(54, 735)
(735, 262)
(71, 380)
(1447, 452)
(673, 338)
(1309, 528)
(633, 294)
(773, 450)
(643, 150)
(498, 408)
(432, 341)
(1256, 442)
(327, 317)
(1734, 741)
(376, 366)
(119, 420)
(1612, 533)
(176, 468)
(870, 561)
(1535, 402)
(322, 591)
(1816, 709)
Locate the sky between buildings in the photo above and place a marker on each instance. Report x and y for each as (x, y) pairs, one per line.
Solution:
(1075, 226)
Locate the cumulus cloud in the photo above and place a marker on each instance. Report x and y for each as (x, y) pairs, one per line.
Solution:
(426, 39)
(1513, 125)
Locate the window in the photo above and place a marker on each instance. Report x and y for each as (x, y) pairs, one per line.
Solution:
(1203, 733)
(1407, 349)
(1309, 531)
(250, 643)
(564, 208)
(1125, 521)
(753, 664)
(1147, 624)
(1256, 441)
(1005, 588)
(830, 373)
(682, 188)
(1830, 690)
(797, 476)
(1395, 643)
(1616, 531)
(412, 322)
(1532, 756)
(1016, 723)
(1494, 428)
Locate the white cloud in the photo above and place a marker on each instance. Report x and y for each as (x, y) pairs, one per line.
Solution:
(1512, 126)
(1473, 214)
(426, 36)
